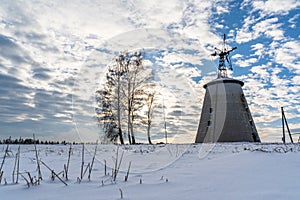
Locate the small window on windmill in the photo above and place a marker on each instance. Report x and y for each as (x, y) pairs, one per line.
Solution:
(210, 110)
(208, 123)
(251, 122)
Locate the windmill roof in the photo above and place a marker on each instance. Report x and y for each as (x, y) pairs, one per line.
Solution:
(224, 80)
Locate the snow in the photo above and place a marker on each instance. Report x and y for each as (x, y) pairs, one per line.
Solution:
(173, 171)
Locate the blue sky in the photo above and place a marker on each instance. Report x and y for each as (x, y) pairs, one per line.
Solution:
(54, 52)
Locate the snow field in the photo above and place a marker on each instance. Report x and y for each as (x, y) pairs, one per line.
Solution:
(173, 171)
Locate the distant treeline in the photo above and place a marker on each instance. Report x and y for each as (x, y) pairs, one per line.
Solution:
(32, 141)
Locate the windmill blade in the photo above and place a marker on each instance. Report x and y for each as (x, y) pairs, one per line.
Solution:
(234, 48)
(214, 54)
(224, 42)
(229, 62)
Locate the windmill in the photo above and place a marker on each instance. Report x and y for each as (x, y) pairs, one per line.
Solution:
(225, 115)
(223, 54)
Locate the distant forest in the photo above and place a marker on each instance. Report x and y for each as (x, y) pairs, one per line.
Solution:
(32, 141)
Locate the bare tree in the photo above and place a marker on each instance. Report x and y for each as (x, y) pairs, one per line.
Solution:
(121, 99)
(133, 88)
(109, 99)
(149, 104)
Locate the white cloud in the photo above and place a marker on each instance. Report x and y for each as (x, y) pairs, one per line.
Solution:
(253, 29)
(245, 62)
(265, 23)
(269, 27)
(293, 21)
(288, 54)
(296, 80)
(275, 6)
(237, 56)
(246, 34)
(258, 49)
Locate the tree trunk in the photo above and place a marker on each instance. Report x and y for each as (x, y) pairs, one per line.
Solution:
(121, 136)
(131, 128)
(132, 134)
(129, 137)
(148, 134)
(133, 139)
(119, 110)
(149, 115)
(128, 114)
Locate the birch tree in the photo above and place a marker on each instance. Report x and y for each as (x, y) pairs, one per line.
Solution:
(122, 97)
(134, 85)
(109, 109)
(149, 112)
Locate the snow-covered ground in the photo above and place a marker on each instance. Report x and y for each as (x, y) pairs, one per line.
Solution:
(221, 171)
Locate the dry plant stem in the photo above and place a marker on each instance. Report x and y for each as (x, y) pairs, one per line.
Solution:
(114, 174)
(65, 170)
(13, 173)
(121, 193)
(52, 171)
(15, 165)
(92, 163)
(66, 167)
(28, 183)
(87, 168)
(37, 161)
(82, 162)
(117, 164)
(1, 172)
(5, 153)
(18, 165)
(105, 168)
(120, 162)
(30, 178)
(127, 175)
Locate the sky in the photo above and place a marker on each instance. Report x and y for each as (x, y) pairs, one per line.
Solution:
(53, 55)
